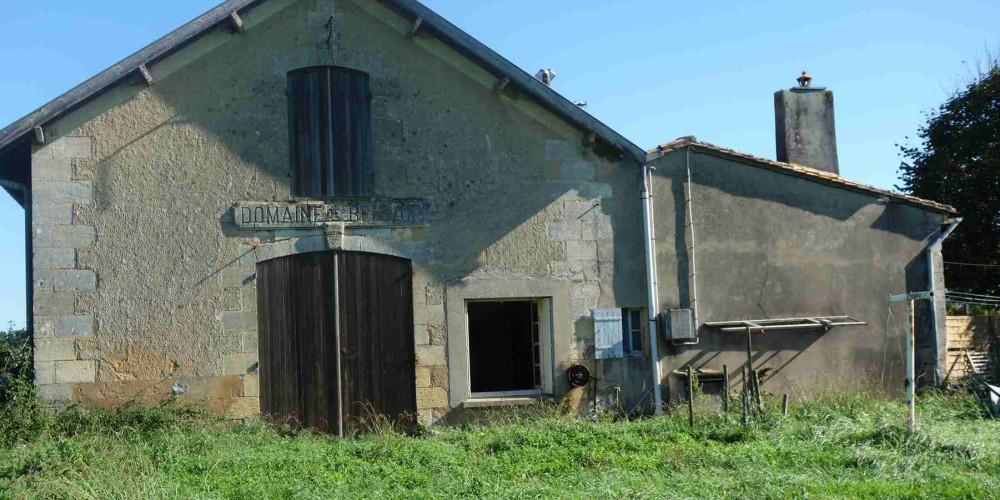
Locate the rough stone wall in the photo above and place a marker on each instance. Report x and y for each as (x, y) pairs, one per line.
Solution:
(770, 245)
(517, 194)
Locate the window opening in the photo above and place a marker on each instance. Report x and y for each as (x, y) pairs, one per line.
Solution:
(506, 347)
(632, 331)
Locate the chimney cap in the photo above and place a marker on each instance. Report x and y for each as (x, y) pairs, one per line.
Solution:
(546, 75)
(805, 80)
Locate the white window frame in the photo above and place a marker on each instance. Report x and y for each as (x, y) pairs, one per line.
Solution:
(628, 349)
(544, 305)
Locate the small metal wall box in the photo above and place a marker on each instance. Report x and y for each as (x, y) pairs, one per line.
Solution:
(680, 326)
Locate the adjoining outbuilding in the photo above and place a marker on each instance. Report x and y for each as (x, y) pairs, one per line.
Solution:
(323, 209)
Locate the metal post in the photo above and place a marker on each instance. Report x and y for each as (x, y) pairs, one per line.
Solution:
(911, 366)
(690, 397)
(784, 405)
(744, 396)
(911, 418)
(725, 392)
(336, 345)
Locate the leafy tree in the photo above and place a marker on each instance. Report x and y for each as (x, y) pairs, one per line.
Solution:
(958, 163)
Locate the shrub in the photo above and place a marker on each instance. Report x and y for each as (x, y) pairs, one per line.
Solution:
(17, 370)
(20, 417)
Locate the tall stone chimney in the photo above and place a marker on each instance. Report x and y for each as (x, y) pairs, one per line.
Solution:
(803, 126)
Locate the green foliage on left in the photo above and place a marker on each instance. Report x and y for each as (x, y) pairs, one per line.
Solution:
(20, 417)
(17, 369)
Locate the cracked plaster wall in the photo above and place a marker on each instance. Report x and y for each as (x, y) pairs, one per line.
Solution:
(769, 245)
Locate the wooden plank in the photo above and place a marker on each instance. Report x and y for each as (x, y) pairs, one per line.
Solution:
(378, 316)
(330, 131)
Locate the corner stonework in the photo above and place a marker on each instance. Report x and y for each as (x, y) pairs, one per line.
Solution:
(63, 325)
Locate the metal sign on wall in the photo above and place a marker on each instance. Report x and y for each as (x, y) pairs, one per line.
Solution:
(356, 212)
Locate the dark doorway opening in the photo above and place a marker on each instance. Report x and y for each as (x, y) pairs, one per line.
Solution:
(504, 346)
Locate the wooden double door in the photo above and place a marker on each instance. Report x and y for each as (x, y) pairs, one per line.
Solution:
(336, 340)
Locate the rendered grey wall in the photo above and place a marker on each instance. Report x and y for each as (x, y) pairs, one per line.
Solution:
(770, 245)
(518, 196)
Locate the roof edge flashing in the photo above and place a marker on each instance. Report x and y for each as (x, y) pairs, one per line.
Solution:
(792, 169)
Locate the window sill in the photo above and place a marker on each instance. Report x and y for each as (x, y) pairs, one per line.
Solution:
(504, 401)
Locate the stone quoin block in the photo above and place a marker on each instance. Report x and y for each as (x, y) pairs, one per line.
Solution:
(75, 371)
(573, 210)
(62, 192)
(54, 303)
(604, 228)
(73, 236)
(429, 315)
(421, 336)
(231, 299)
(243, 407)
(73, 326)
(234, 321)
(65, 281)
(249, 342)
(439, 376)
(55, 393)
(251, 386)
(66, 147)
(588, 229)
(423, 376)
(248, 297)
(581, 250)
(42, 281)
(54, 258)
(430, 355)
(52, 213)
(235, 277)
(432, 397)
(51, 169)
(438, 334)
(564, 230)
(239, 363)
(44, 326)
(45, 372)
(434, 294)
(606, 250)
(425, 417)
(42, 235)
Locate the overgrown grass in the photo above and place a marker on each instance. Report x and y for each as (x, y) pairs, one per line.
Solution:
(832, 447)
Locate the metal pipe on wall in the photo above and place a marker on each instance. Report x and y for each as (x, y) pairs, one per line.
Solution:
(692, 275)
(930, 286)
(693, 300)
(651, 286)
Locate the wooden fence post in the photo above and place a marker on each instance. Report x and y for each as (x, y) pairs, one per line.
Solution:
(725, 392)
(690, 397)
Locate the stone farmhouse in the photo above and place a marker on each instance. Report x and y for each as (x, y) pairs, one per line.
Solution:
(316, 209)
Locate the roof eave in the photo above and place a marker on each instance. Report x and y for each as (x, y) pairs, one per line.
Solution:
(475, 50)
(788, 169)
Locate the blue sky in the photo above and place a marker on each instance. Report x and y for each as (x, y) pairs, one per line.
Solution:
(652, 70)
